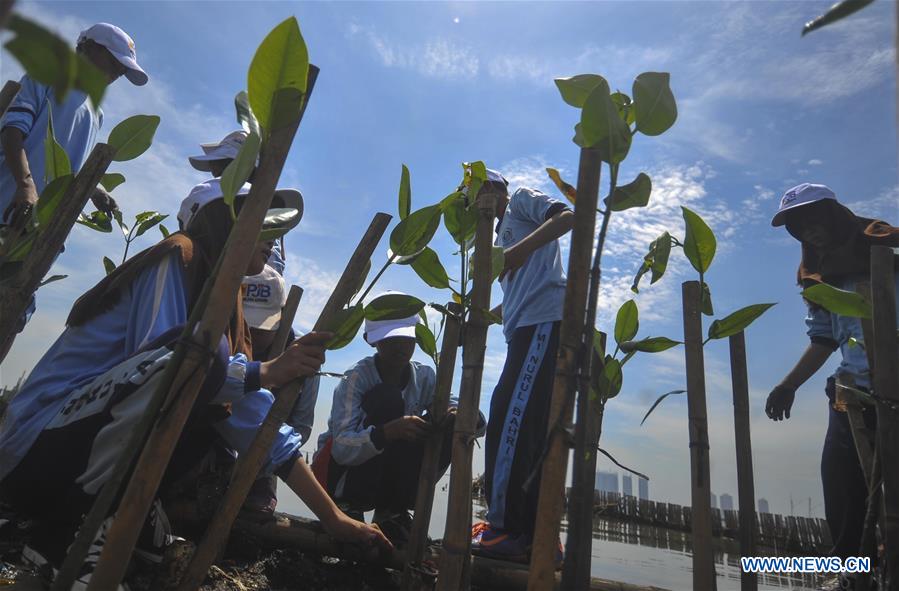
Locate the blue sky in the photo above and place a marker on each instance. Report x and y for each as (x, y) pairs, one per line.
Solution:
(433, 84)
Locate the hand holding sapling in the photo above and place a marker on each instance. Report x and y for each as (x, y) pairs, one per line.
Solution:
(406, 428)
(302, 358)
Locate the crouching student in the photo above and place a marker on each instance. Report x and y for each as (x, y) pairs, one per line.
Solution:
(62, 433)
(370, 456)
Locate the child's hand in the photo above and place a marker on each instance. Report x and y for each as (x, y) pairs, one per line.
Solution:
(513, 258)
(24, 197)
(345, 529)
(406, 428)
(302, 358)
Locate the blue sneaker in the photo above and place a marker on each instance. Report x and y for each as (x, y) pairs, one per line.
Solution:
(491, 542)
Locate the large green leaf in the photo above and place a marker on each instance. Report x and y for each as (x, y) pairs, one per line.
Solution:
(611, 378)
(405, 196)
(567, 190)
(133, 136)
(649, 345)
(836, 12)
(838, 301)
(602, 127)
(111, 180)
(277, 77)
(654, 104)
(625, 107)
(497, 261)
(427, 265)
(344, 324)
(52, 279)
(627, 322)
(97, 220)
(108, 265)
(707, 308)
(393, 306)
(658, 401)
(50, 199)
(426, 341)
(56, 161)
(150, 221)
(414, 233)
(634, 194)
(656, 260)
(239, 170)
(50, 60)
(736, 322)
(576, 89)
(460, 222)
(245, 115)
(699, 242)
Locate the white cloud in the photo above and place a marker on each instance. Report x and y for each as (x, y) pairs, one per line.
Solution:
(815, 162)
(530, 171)
(439, 58)
(884, 206)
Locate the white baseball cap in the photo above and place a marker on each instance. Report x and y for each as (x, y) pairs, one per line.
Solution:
(798, 196)
(208, 191)
(226, 149)
(121, 46)
(264, 296)
(378, 330)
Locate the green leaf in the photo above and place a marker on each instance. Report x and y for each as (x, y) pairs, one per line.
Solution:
(736, 322)
(627, 322)
(649, 345)
(51, 279)
(111, 180)
(149, 222)
(50, 199)
(393, 306)
(836, 12)
(491, 317)
(239, 170)
(634, 194)
(344, 324)
(838, 301)
(117, 215)
(245, 115)
(654, 105)
(50, 60)
(97, 220)
(362, 277)
(576, 89)
(497, 261)
(403, 260)
(611, 379)
(413, 233)
(699, 243)
(426, 341)
(56, 161)
(625, 107)
(658, 401)
(460, 222)
(133, 136)
(602, 127)
(656, 260)
(281, 63)
(108, 265)
(707, 307)
(567, 190)
(427, 265)
(854, 342)
(164, 231)
(405, 196)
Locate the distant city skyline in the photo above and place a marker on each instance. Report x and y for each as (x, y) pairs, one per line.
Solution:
(714, 501)
(763, 506)
(643, 486)
(627, 485)
(727, 502)
(607, 481)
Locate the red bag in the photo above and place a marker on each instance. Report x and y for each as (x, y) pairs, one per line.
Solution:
(320, 463)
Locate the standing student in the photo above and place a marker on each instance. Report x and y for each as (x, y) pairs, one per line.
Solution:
(533, 284)
(62, 433)
(76, 123)
(836, 249)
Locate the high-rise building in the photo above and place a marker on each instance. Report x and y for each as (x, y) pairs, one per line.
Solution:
(763, 506)
(714, 501)
(643, 486)
(727, 502)
(607, 481)
(627, 486)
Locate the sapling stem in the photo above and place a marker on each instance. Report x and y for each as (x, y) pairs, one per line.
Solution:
(375, 280)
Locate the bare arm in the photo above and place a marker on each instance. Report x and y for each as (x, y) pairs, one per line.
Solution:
(13, 142)
(551, 229)
(811, 361)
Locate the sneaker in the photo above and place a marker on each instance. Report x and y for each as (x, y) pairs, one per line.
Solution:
(396, 526)
(155, 536)
(492, 542)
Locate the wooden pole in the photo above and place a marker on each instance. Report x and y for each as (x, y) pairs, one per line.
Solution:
(455, 555)
(745, 479)
(11, 88)
(288, 313)
(886, 386)
(555, 466)
(183, 389)
(424, 498)
(249, 463)
(703, 554)
(17, 291)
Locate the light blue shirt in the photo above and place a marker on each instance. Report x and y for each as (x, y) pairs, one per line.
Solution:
(75, 124)
(536, 291)
(839, 329)
(155, 302)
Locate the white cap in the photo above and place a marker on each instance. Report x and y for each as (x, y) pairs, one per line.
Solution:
(120, 45)
(378, 330)
(226, 149)
(208, 191)
(263, 297)
(801, 195)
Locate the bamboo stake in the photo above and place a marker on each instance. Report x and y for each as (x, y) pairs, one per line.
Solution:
(703, 554)
(11, 88)
(17, 291)
(552, 483)
(886, 386)
(745, 479)
(288, 313)
(249, 463)
(424, 498)
(454, 558)
(200, 344)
